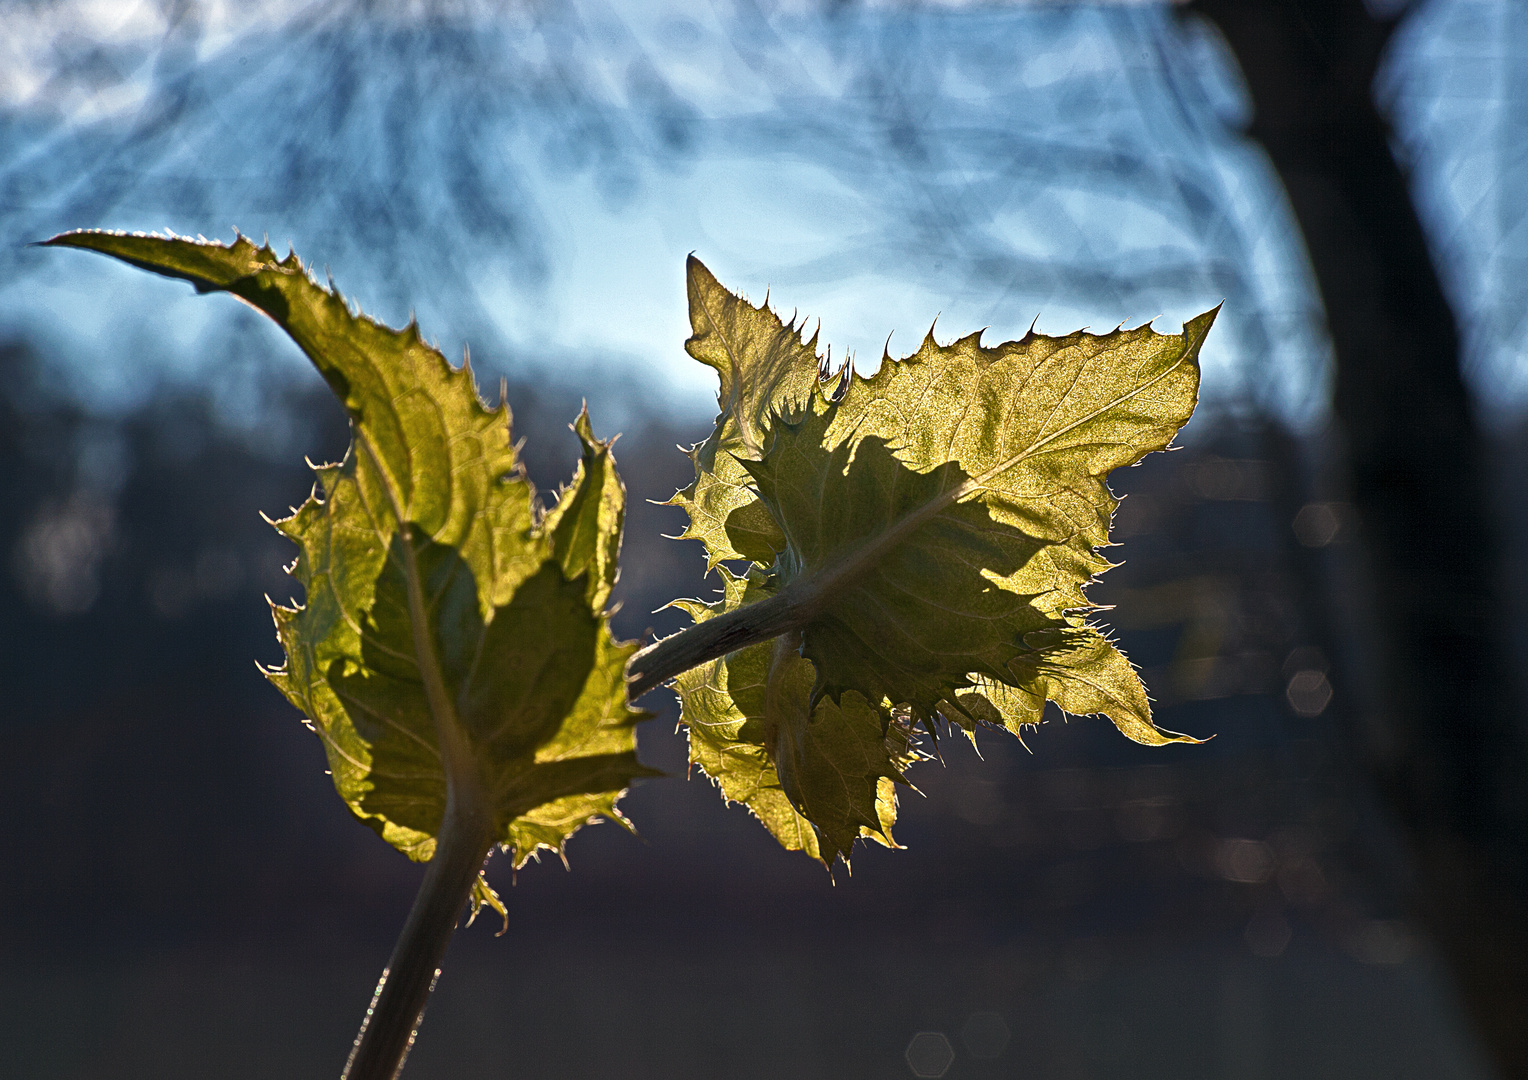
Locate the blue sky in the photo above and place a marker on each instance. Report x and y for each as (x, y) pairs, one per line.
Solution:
(530, 183)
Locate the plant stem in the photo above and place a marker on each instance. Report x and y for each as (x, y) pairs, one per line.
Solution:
(465, 837)
(397, 1008)
(793, 606)
(694, 645)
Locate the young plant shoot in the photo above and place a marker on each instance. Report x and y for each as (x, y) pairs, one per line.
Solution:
(893, 551)
(915, 546)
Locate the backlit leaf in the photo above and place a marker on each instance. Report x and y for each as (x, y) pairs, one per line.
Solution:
(444, 612)
(774, 761)
(931, 529)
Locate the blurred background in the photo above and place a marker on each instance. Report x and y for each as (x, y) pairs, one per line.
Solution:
(1327, 576)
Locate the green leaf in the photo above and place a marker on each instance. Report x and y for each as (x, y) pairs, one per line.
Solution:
(450, 629)
(928, 533)
(764, 368)
(841, 773)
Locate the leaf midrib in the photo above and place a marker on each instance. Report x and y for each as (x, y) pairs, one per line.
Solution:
(462, 778)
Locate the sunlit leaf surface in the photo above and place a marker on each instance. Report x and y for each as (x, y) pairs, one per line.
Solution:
(936, 525)
(443, 608)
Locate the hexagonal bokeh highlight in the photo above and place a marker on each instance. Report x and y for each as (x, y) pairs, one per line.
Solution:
(930, 1054)
(985, 1035)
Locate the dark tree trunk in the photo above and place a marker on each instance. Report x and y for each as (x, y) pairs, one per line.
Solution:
(1444, 743)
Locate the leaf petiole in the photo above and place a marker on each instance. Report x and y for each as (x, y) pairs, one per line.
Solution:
(790, 609)
(467, 833)
(663, 660)
(397, 1008)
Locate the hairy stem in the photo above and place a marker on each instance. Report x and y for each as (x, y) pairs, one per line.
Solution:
(397, 1008)
(466, 835)
(694, 645)
(790, 609)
